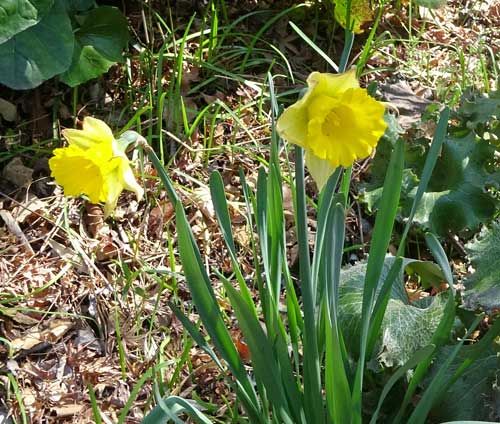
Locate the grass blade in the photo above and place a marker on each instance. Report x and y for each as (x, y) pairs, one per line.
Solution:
(314, 46)
(93, 402)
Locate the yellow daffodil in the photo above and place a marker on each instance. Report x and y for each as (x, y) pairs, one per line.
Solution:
(336, 122)
(93, 164)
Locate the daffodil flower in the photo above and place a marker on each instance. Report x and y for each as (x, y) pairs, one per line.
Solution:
(336, 122)
(94, 164)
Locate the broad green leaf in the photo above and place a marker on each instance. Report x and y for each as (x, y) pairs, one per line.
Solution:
(99, 44)
(419, 356)
(360, 14)
(406, 326)
(477, 109)
(456, 197)
(79, 6)
(439, 383)
(470, 422)
(447, 375)
(442, 333)
(482, 288)
(18, 15)
(88, 63)
(106, 29)
(472, 396)
(39, 52)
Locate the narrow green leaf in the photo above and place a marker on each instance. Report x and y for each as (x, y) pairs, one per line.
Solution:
(251, 206)
(338, 392)
(204, 298)
(430, 162)
(195, 334)
(381, 305)
(326, 200)
(170, 408)
(313, 404)
(380, 242)
(439, 383)
(265, 364)
(440, 256)
(276, 231)
(222, 213)
(416, 358)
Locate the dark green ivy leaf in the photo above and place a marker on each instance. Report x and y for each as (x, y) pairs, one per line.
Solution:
(458, 196)
(482, 288)
(474, 396)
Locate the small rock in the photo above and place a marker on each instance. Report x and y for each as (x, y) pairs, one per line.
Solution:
(17, 173)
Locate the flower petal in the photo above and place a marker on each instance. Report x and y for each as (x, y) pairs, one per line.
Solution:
(121, 177)
(79, 172)
(350, 130)
(333, 84)
(94, 131)
(320, 169)
(131, 183)
(336, 122)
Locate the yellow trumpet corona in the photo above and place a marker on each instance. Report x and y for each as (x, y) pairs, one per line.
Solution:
(336, 122)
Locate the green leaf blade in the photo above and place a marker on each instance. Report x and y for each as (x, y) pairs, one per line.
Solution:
(39, 52)
(99, 44)
(19, 15)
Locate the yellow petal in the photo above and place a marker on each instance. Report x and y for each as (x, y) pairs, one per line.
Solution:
(130, 183)
(121, 177)
(79, 172)
(336, 122)
(320, 169)
(333, 84)
(115, 187)
(347, 131)
(293, 122)
(94, 131)
(292, 125)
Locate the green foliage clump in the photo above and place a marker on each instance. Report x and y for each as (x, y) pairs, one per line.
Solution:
(461, 192)
(338, 351)
(482, 288)
(75, 40)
